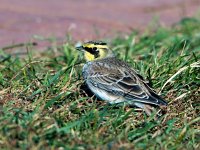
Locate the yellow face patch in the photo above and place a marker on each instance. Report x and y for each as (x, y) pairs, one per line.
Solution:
(94, 51)
(88, 56)
(102, 53)
(91, 57)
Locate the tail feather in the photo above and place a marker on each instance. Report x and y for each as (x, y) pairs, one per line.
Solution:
(160, 101)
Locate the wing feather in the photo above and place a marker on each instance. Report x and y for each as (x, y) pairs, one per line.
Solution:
(122, 82)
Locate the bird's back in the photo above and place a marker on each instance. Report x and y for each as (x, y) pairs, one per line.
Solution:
(117, 78)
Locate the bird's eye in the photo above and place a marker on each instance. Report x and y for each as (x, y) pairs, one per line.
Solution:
(94, 48)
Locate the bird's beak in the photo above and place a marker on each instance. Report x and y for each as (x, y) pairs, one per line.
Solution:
(79, 48)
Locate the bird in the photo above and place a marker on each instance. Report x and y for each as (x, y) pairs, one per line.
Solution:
(114, 81)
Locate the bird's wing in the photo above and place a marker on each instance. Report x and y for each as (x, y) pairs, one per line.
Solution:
(120, 82)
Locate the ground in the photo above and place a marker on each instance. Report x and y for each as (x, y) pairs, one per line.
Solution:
(42, 105)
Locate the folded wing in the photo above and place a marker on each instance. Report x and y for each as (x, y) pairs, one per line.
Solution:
(127, 84)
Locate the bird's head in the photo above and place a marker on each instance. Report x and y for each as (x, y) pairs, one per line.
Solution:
(94, 50)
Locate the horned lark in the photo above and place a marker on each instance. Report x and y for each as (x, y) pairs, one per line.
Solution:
(114, 80)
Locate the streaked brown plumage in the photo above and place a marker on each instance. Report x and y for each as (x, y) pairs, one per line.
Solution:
(115, 81)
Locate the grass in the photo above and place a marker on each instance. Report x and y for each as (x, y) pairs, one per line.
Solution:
(42, 106)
